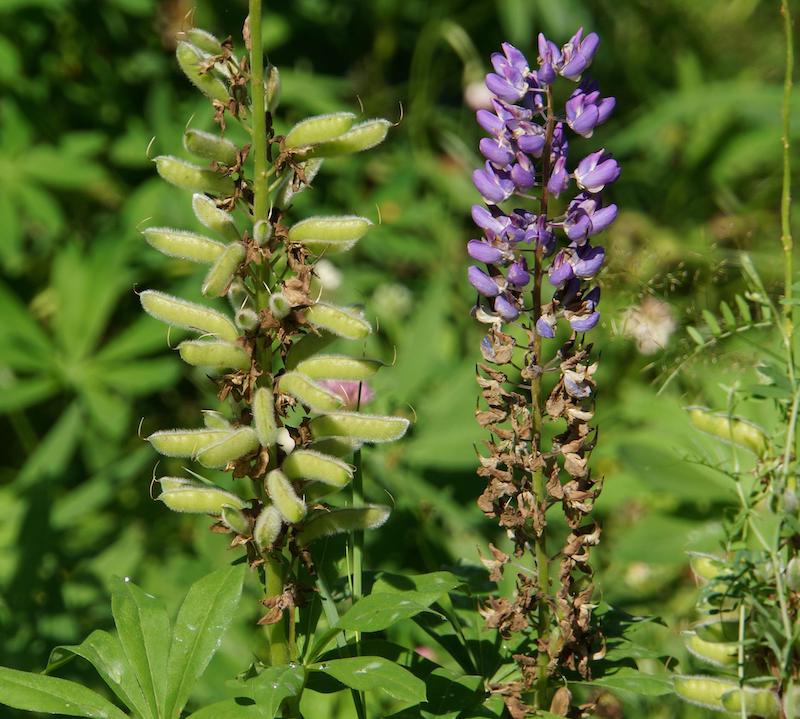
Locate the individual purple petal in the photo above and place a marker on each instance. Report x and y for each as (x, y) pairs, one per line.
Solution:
(585, 109)
(577, 54)
(585, 217)
(603, 218)
(582, 323)
(587, 261)
(518, 274)
(606, 106)
(490, 122)
(546, 326)
(482, 282)
(530, 137)
(593, 297)
(496, 151)
(495, 185)
(484, 252)
(596, 170)
(522, 172)
(505, 308)
(502, 88)
(487, 221)
(558, 177)
(560, 270)
(549, 58)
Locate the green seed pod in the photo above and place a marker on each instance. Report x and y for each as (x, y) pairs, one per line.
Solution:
(210, 146)
(214, 353)
(720, 654)
(183, 245)
(192, 61)
(222, 271)
(360, 137)
(361, 427)
(278, 305)
(189, 315)
(192, 177)
(329, 234)
(215, 420)
(286, 193)
(703, 691)
(301, 387)
(722, 627)
(339, 321)
(184, 442)
(267, 528)
(272, 89)
(316, 491)
(326, 524)
(791, 701)
(282, 493)
(761, 702)
(204, 40)
(264, 416)
(315, 466)
(232, 446)
(234, 520)
(307, 346)
(247, 319)
(736, 431)
(793, 574)
(318, 129)
(169, 483)
(262, 232)
(238, 295)
(211, 216)
(706, 566)
(336, 446)
(338, 367)
(200, 500)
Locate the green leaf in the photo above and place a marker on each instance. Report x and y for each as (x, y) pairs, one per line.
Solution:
(375, 674)
(104, 652)
(376, 612)
(634, 681)
(24, 393)
(204, 616)
(230, 709)
(39, 693)
(54, 452)
(435, 583)
(695, 335)
(144, 633)
(274, 684)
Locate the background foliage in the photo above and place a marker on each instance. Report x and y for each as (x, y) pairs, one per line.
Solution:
(85, 86)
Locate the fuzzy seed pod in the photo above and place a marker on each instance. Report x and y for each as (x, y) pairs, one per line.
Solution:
(791, 701)
(212, 217)
(302, 388)
(214, 353)
(170, 483)
(759, 702)
(336, 446)
(361, 427)
(192, 177)
(210, 146)
(363, 136)
(329, 234)
(262, 232)
(246, 319)
(720, 654)
(264, 416)
(286, 192)
(705, 566)
(191, 60)
(234, 520)
(230, 447)
(200, 500)
(184, 245)
(204, 40)
(184, 442)
(793, 574)
(222, 271)
(326, 524)
(320, 128)
(735, 431)
(338, 367)
(215, 420)
(189, 315)
(703, 691)
(339, 321)
(306, 347)
(268, 527)
(315, 466)
(278, 305)
(722, 627)
(282, 493)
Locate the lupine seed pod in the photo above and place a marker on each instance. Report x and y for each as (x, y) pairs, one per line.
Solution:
(200, 500)
(237, 295)
(184, 442)
(264, 416)
(791, 701)
(308, 346)
(262, 232)
(204, 40)
(285, 499)
(272, 89)
(211, 216)
(279, 306)
(222, 271)
(363, 136)
(362, 427)
(267, 527)
(705, 566)
(319, 128)
(703, 691)
(191, 60)
(215, 420)
(336, 446)
(170, 483)
(234, 520)
(736, 431)
(339, 321)
(189, 315)
(192, 177)
(232, 446)
(760, 702)
(246, 318)
(720, 654)
(210, 146)
(338, 367)
(287, 191)
(326, 524)
(315, 466)
(183, 245)
(310, 394)
(217, 354)
(329, 234)
(793, 574)
(722, 627)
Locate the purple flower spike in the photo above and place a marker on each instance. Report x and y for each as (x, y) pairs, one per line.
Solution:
(595, 171)
(505, 308)
(585, 217)
(577, 54)
(587, 261)
(518, 274)
(482, 282)
(484, 252)
(559, 179)
(495, 185)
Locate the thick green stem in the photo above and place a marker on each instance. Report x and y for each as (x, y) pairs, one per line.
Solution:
(276, 633)
(259, 144)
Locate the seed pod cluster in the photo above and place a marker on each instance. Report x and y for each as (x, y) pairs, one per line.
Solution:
(291, 422)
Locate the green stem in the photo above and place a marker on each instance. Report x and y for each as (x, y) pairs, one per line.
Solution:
(259, 144)
(276, 633)
(786, 194)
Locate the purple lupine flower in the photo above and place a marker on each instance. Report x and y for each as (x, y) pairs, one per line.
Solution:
(561, 270)
(484, 252)
(585, 217)
(509, 81)
(495, 185)
(546, 326)
(522, 172)
(585, 316)
(595, 171)
(484, 219)
(549, 59)
(506, 308)
(586, 109)
(482, 282)
(587, 261)
(577, 54)
(559, 178)
(497, 150)
(518, 274)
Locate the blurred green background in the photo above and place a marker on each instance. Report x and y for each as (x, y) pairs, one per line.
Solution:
(85, 86)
